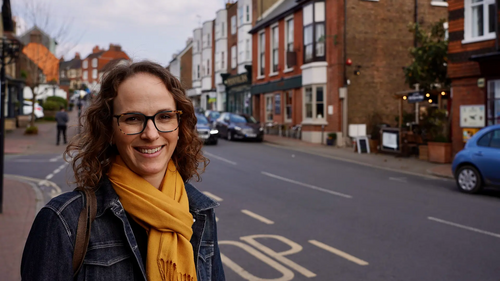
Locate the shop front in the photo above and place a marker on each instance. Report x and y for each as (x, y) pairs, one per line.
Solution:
(238, 92)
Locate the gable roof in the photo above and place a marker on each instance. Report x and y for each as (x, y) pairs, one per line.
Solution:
(71, 64)
(284, 9)
(95, 55)
(45, 60)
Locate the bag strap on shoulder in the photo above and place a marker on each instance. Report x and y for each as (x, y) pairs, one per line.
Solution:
(87, 216)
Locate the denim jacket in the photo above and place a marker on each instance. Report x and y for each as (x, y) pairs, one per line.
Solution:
(113, 252)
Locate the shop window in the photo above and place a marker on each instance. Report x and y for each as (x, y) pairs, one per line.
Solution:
(277, 104)
(479, 22)
(269, 108)
(493, 102)
(314, 102)
(275, 49)
(262, 53)
(314, 31)
(288, 105)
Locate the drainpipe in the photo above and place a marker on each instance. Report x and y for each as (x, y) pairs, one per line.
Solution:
(345, 113)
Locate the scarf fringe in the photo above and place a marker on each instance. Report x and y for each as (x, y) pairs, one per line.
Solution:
(168, 272)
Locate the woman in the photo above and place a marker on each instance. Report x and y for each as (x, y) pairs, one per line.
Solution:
(137, 150)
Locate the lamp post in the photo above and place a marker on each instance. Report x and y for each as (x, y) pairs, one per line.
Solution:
(9, 52)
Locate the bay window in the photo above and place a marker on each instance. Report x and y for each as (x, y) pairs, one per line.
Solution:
(314, 102)
(233, 57)
(314, 31)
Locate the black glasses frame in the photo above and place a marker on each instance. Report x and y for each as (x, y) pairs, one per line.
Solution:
(152, 118)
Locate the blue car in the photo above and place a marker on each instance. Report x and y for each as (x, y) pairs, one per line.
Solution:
(478, 164)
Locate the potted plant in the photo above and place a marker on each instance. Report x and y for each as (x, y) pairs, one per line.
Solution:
(331, 139)
(437, 127)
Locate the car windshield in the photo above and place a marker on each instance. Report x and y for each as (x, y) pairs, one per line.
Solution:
(238, 119)
(201, 120)
(214, 115)
(250, 119)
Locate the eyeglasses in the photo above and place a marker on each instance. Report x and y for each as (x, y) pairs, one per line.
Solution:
(134, 123)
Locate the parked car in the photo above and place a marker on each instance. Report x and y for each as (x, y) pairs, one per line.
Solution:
(205, 130)
(478, 163)
(239, 126)
(212, 115)
(28, 107)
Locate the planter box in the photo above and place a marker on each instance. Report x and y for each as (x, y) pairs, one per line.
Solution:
(49, 113)
(374, 146)
(10, 124)
(423, 152)
(23, 120)
(439, 152)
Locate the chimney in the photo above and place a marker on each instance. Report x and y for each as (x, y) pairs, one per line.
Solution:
(96, 49)
(116, 48)
(77, 56)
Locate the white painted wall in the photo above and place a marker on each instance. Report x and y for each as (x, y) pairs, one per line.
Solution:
(197, 46)
(175, 67)
(206, 56)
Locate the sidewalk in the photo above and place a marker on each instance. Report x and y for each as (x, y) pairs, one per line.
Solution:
(19, 209)
(410, 165)
(21, 200)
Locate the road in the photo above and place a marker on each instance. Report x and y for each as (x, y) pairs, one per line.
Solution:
(288, 215)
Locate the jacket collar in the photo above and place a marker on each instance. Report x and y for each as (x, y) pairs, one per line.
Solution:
(107, 198)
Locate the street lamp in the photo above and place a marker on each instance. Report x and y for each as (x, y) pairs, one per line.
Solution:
(10, 50)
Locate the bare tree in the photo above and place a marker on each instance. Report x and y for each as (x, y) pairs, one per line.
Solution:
(39, 13)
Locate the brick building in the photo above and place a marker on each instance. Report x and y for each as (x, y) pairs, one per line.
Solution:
(70, 74)
(93, 64)
(474, 59)
(181, 65)
(326, 95)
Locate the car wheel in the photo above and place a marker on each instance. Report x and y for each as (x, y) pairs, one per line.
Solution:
(229, 136)
(469, 179)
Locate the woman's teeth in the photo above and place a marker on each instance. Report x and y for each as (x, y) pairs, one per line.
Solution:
(149, 151)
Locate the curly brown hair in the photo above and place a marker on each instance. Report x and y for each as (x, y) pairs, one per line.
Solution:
(91, 151)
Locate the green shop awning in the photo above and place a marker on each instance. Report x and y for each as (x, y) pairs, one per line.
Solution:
(279, 85)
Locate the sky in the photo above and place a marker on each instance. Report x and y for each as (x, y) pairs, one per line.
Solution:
(146, 29)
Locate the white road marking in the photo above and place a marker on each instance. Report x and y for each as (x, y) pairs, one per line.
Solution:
(338, 252)
(49, 176)
(32, 160)
(56, 158)
(216, 198)
(465, 227)
(294, 248)
(220, 158)
(398, 179)
(63, 165)
(287, 274)
(57, 170)
(308, 185)
(257, 217)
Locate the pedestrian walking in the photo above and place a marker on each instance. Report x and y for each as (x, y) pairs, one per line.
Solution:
(79, 104)
(62, 121)
(132, 164)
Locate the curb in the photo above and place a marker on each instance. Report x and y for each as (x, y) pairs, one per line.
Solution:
(427, 175)
(440, 175)
(39, 201)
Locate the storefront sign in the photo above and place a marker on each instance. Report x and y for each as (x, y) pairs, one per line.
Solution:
(415, 97)
(472, 116)
(480, 83)
(280, 85)
(468, 133)
(236, 80)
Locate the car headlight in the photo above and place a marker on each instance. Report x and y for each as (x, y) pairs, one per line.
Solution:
(237, 128)
(214, 132)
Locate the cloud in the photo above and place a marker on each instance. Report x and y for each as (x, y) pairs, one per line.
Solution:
(146, 29)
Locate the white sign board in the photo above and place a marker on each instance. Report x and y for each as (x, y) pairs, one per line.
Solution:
(472, 116)
(390, 140)
(357, 130)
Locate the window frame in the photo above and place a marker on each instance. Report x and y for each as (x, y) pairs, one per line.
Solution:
(269, 107)
(261, 70)
(492, 99)
(94, 73)
(288, 106)
(85, 64)
(233, 25)
(315, 41)
(222, 61)
(274, 49)
(85, 75)
(468, 24)
(247, 13)
(314, 103)
(234, 57)
(287, 42)
(94, 62)
(247, 49)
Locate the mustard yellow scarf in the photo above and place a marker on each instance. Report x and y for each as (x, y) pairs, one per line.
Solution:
(164, 214)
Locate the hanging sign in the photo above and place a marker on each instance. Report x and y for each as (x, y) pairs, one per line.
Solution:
(415, 97)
